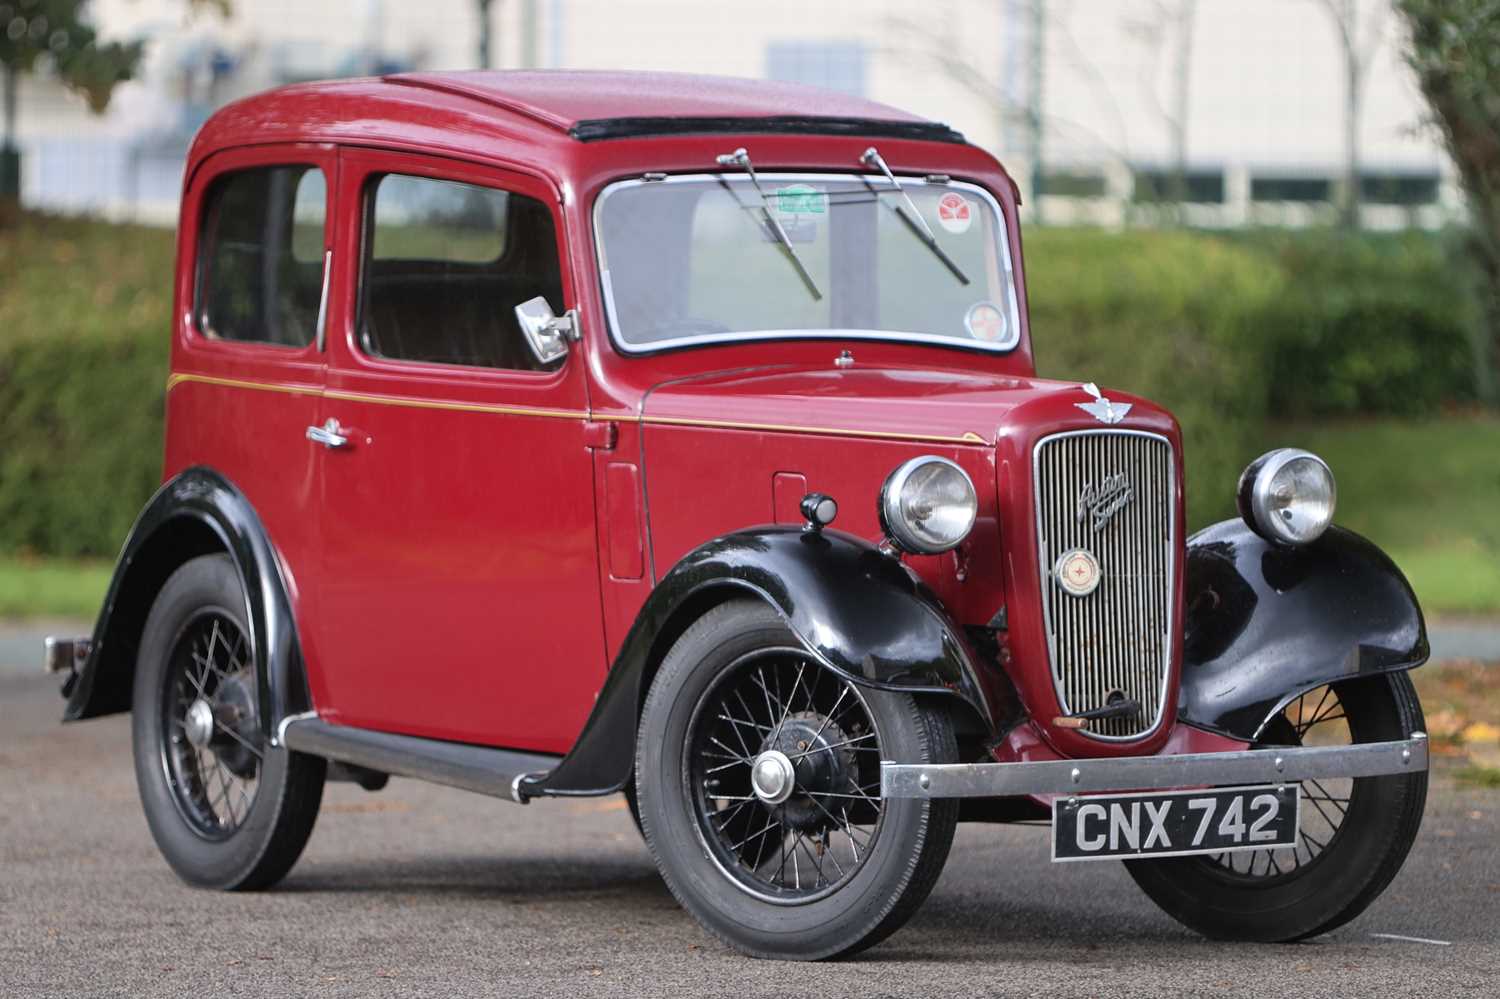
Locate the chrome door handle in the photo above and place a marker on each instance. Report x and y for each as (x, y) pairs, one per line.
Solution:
(330, 435)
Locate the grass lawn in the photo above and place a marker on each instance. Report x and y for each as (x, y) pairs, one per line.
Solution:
(1426, 491)
(52, 587)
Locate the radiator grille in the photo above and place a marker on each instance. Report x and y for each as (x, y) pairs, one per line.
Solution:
(1117, 637)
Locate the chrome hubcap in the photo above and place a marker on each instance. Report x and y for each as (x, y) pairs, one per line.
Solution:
(198, 723)
(772, 777)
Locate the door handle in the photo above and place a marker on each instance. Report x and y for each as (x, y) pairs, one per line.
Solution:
(330, 435)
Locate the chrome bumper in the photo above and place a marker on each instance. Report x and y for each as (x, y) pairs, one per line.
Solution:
(61, 655)
(1152, 773)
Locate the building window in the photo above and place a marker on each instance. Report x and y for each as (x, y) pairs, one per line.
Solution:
(830, 65)
(1399, 188)
(1074, 184)
(1198, 186)
(1291, 188)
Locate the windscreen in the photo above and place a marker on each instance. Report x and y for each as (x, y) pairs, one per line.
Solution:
(706, 258)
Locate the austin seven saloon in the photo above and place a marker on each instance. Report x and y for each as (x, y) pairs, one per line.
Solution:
(555, 434)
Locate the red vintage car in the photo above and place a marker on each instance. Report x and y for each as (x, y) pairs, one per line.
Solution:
(553, 434)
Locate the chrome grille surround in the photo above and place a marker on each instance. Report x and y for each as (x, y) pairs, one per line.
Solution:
(1119, 636)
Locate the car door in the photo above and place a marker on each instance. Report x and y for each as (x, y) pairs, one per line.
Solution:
(248, 351)
(459, 593)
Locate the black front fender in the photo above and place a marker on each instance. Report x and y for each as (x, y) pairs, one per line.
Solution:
(857, 611)
(199, 511)
(1265, 623)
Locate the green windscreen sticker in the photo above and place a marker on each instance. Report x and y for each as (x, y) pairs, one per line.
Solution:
(800, 199)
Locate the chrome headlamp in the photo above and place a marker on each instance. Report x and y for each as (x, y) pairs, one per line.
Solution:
(1287, 496)
(928, 505)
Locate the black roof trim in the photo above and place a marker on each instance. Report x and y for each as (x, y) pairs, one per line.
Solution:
(599, 129)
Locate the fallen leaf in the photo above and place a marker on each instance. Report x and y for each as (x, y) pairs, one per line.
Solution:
(1481, 732)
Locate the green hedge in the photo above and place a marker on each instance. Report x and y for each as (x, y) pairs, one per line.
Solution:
(1225, 330)
(1375, 324)
(1172, 316)
(84, 312)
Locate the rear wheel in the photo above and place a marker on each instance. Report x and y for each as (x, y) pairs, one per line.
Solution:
(1354, 833)
(225, 808)
(758, 780)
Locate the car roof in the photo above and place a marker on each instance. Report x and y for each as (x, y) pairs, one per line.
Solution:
(551, 119)
(565, 99)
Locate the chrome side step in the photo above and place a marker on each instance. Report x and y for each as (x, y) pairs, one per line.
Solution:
(1145, 773)
(495, 772)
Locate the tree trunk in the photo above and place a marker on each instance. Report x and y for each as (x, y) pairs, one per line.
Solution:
(484, 34)
(1352, 99)
(12, 81)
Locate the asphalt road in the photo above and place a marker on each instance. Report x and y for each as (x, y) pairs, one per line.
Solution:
(422, 890)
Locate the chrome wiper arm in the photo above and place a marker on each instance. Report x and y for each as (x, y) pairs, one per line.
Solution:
(914, 220)
(741, 159)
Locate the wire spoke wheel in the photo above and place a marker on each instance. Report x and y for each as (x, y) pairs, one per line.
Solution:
(1315, 718)
(1353, 833)
(212, 749)
(782, 767)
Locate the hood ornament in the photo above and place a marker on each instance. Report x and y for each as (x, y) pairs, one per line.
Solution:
(1102, 409)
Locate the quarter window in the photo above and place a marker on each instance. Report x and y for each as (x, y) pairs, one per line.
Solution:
(260, 256)
(445, 266)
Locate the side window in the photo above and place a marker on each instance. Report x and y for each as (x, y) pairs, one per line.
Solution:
(260, 256)
(445, 266)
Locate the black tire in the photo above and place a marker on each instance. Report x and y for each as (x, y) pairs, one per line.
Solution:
(1375, 829)
(230, 813)
(872, 892)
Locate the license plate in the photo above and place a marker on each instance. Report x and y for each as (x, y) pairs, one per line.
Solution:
(1174, 823)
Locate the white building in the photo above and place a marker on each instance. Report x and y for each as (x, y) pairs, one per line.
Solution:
(1262, 139)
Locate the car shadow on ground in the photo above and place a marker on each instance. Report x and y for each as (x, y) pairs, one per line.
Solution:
(628, 880)
(624, 888)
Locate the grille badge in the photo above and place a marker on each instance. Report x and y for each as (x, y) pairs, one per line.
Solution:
(1077, 572)
(1100, 501)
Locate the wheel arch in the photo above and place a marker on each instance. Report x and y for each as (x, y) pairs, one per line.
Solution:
(197, 512)
(879, 627)
(1265, 623)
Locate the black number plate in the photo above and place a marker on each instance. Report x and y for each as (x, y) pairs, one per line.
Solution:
(1174, 823)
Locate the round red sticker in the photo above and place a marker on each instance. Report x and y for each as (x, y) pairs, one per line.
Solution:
(986, 322)
(954, 212)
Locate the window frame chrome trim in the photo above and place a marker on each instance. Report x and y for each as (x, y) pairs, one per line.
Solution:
(1174, 570)
(1002, 247)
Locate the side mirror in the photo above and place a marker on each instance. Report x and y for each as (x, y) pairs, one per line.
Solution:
(546, 334)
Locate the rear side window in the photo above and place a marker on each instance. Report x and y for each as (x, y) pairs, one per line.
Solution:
(260, 256)
(445, 266)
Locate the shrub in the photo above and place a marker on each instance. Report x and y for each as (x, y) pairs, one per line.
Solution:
(1172, 316)
(84, 311)
(1370, 324)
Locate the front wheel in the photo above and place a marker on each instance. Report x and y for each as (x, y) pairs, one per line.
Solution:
(758, 779)
(1354, 832)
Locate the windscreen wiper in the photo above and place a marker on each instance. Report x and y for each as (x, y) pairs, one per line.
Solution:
(741, 159)
(914, 220)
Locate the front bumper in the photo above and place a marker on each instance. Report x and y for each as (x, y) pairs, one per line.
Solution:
(1153, 773)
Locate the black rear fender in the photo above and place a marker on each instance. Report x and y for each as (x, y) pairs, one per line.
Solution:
(198, 512)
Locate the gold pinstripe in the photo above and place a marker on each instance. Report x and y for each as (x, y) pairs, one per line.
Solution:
(173, 380)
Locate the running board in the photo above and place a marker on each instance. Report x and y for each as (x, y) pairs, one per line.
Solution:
(495, 772)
